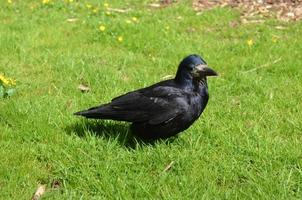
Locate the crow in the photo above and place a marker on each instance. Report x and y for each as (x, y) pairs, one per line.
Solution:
(164, 109)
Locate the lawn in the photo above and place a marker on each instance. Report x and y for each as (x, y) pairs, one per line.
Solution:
(246, 145)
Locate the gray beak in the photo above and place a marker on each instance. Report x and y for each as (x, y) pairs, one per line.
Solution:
(203, 71)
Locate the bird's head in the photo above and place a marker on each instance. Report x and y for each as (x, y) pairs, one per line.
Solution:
(193, 67)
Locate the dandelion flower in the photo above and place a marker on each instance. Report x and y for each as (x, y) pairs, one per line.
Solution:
(250, 42)
(70, 1)
(88, 6)
(167, 27)
(120, 39)
(134, 19)
(106, 5)
(108, 13)
(45, 1)
(4, 80)
(102, 28)
(128, 21)
(95, 10)
(9, 1)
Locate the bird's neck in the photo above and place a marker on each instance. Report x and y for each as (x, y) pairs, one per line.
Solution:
(203, 82)
(200, 85)
(185, 84)
(185, 80)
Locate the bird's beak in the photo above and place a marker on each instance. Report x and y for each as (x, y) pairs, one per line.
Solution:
(203, 71)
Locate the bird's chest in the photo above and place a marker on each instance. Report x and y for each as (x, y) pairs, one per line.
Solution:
(197, 104)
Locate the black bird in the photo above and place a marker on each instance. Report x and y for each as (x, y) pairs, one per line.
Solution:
(165, 108)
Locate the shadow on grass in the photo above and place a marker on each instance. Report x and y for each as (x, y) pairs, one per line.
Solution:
(111, 130)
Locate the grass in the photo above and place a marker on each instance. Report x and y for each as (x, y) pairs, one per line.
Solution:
(246, 145)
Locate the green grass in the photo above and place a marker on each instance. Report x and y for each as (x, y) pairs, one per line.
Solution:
(246, 145)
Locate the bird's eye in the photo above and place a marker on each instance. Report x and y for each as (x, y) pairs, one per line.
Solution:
(191, 67)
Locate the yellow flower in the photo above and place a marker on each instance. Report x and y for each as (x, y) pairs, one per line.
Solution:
(120, 39)
(45, 1)
(167, 27)
(4, 80)
(9, 1)
(102, 28)
(128, 21)
(88, 6)
(134, 19)
(70, 1)
(108, 13)
(250, 42)
(95, 10)
(106, 5)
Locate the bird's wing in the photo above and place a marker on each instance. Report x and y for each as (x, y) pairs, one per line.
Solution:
(153, 105)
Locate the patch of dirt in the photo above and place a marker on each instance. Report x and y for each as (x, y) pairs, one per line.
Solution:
(256, 11)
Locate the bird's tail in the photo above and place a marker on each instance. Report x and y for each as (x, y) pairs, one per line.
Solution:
(100, 112)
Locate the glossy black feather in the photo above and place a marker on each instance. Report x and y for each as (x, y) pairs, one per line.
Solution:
(163, 109)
